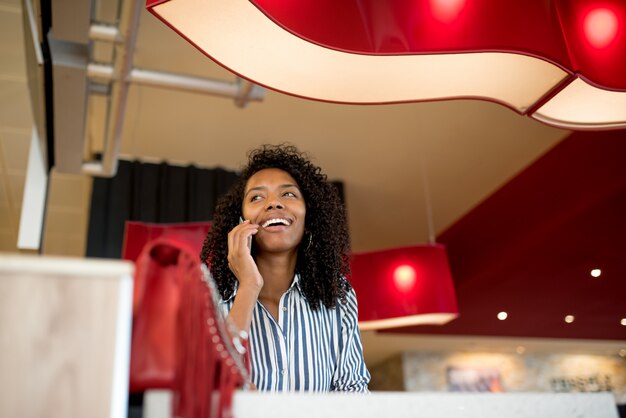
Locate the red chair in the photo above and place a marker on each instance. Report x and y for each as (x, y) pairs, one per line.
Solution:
(180, 341)
(158, 251)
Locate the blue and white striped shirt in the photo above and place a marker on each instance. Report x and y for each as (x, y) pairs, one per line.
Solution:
(306, 350)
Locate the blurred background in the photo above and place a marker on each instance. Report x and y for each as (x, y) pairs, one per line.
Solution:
(526, 211)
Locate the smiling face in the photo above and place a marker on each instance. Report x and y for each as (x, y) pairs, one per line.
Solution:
(273, 200)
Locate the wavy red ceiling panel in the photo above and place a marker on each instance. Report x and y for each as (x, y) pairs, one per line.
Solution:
(584, 36)
(562, 62)
(595, 32)
(424, 26)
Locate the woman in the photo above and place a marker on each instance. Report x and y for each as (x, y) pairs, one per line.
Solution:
(278, 252)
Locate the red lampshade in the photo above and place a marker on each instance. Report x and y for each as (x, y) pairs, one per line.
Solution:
(559, 61)
(404, 286)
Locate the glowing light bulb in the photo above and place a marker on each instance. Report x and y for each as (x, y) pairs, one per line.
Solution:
(569, 318)
(447, 10)
(596, 273)
(623, 321)
(502, 315)
(404, 277)
(600, 27)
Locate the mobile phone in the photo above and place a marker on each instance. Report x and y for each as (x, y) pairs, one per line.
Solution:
(249, 238)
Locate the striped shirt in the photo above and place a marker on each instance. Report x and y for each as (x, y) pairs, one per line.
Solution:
(306, 350)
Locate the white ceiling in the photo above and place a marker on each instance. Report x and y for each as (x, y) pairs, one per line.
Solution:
(466, 149)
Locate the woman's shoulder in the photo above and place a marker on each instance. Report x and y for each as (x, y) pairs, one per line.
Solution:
(349, 292)
(348, 303)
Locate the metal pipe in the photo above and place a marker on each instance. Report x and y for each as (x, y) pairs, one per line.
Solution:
(100, 72)
(119, 93)
(123, 74)
(106, 33)
(183, 82)
(241, 92)
(247, 92)
(191, 83)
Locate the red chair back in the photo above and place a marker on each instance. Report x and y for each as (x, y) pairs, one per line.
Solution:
(162, 254)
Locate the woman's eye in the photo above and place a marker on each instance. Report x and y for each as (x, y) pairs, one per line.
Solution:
(255, 198)
(290, 194)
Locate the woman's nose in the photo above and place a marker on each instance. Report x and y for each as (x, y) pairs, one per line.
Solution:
(274, 203)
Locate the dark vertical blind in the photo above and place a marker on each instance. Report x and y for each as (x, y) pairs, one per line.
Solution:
(146, 192)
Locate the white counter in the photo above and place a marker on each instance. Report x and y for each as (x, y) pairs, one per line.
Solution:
(425, 405)
(157, 404)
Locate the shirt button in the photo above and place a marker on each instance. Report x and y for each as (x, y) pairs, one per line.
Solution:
(284, 371)
(284, 309)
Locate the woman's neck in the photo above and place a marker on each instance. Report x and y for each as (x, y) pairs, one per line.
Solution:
(277, 271)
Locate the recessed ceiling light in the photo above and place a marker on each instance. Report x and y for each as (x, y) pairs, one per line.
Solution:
(622, 352)
(520, 349)
(569, 318)
(623, 321)
(596, 273)
(503, 315)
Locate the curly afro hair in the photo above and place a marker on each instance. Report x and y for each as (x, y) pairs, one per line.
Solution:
(324, 265)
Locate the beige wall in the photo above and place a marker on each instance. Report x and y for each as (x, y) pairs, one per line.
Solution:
(526, 372)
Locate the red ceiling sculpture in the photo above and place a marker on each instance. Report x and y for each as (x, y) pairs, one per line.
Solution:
(559, 61)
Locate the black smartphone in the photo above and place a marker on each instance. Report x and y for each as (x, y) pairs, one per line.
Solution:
(249, 238)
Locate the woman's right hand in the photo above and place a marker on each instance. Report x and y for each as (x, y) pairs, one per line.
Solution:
(240, 260)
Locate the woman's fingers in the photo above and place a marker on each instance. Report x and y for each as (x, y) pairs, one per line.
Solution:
(240, 261)
(240, 238)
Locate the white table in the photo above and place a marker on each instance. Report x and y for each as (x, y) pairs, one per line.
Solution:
(406, 404)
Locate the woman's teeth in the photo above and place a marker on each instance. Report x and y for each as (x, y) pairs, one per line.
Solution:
(279, 221)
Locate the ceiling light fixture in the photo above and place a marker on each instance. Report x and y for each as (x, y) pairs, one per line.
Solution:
(560, 62)
(502, 315)
(403, 286)
(623, 322)
(569, 318)
(596, 273)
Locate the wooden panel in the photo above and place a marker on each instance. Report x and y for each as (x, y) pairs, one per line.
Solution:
(64, 344)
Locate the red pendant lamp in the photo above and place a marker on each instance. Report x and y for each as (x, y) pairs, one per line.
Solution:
(562, 62)
(403, 286)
